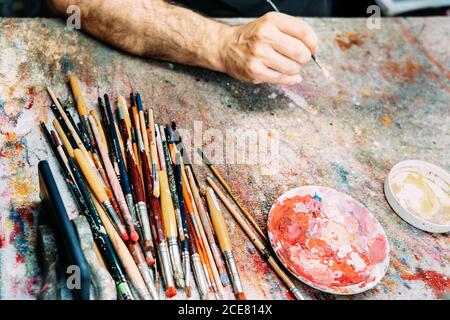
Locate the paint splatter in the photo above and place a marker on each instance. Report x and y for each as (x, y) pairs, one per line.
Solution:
(386, 121)
(406, 71)
(439, 283)
(348, 40)
(31, 96)
(334, 245)
(342, 174)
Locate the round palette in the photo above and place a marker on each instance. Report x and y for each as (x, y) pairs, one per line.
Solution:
(328, 240)
(419, 193)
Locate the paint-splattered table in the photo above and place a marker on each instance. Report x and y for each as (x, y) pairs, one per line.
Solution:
(389, 102)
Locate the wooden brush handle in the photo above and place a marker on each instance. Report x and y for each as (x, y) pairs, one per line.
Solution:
(122, 104)
(217, 219)
(168, 212)
(63, 137)
(153, 148)
(93, 180)
(94, 115)
(78, 96)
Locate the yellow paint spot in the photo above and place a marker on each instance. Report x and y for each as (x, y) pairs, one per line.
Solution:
(386, 121)
(366, 92)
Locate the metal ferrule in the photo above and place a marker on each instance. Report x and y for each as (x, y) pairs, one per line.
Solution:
(199, 275)
(175, 257)
(234, 273)
(218, 258)
(111, 212)
(155, 175)
(130, 204)
(145, 223)
(297, 293)
(148, 279)
(163, 254)
(208, 280)
(186, 267)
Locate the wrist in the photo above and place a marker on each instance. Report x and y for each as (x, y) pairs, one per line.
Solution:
(215, 50)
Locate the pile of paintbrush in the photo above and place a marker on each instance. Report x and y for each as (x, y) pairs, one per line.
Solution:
(136, 187)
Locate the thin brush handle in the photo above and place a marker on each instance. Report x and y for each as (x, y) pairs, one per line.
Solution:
(100, 128)
(115, 184)
(172, 186)
(179, 187)
(153, 153)
(213, 250)
(264, 251)
(218, 221)
(223, 236)
(213, 271)
(234, 196)
(98, 188)
(63, 125)
(115, 141)
(63, 137)
(156, 218)
(143, 126)
(70, 127)
(136, 179)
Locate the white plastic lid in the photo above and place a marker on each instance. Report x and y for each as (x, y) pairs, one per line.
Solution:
(425, 169)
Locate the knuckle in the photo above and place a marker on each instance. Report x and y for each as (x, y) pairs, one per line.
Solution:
(257, 50)
(270, 16)
(253, 67)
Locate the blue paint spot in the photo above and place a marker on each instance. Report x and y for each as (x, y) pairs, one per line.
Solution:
(316, 197)
(2, 104)
(342, 174)
(20, 241)
(66, 64)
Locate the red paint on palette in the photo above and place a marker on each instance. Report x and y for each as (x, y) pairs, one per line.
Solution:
(328, 240)
(439, 283)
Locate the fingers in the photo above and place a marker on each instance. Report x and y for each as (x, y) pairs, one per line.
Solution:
(278, 62)
(259, 73)
(294, 27)
(291, 48)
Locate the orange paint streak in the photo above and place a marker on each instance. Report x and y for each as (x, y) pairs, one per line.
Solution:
(348, 40)
(411, 38)
(439, 283)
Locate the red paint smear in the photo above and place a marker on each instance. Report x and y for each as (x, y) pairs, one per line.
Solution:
(14, 233)
(2, 241)
(19, 258)
(439, 283)
(290, 296)
(32, 93)
(31, 282)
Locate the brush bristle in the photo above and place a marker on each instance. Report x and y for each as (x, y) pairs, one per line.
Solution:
(240, 296)
(188, 291)
(125, 237)
(134, 236)
(171, 292)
